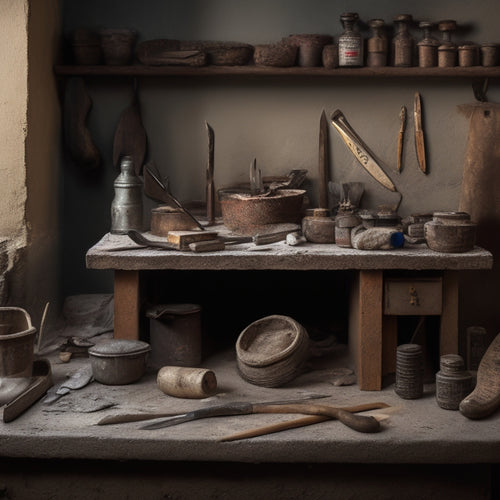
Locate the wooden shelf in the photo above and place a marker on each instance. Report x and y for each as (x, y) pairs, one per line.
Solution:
(475, 72)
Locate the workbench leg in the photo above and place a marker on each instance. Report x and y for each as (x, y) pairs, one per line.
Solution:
(448, 335)
(365, 328)
(127, 305)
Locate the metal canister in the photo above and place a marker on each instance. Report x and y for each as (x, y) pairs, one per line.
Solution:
(453, 382)
(468, 55)
(126, 208)
(409, 371)
(320, 227)
(489, 54)
(175, 335)
(343, 227)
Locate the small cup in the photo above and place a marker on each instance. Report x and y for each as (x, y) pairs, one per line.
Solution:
(117, 45)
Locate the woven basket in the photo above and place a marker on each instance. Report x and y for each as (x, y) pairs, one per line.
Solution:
(221, 53)
(272, 351)
(280, 55)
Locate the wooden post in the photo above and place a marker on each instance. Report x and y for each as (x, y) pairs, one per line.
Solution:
(365, 328)
(127, 305)
(448, 335)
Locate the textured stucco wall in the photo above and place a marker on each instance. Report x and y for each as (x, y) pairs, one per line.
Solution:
(29, 159)
(13, 125)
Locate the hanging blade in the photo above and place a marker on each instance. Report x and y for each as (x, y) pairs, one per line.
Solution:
(419, 133)
(360, 150)
(402, 128)
(210, 177)
(323, 161)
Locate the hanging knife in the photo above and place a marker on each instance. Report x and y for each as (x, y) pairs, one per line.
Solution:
(360, 150)
(210, 177)
(419, 133)
(323, 161)
(357, 422)
(402, 128)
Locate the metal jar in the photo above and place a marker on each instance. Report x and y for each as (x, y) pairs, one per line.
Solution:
(17, 336)
(409, 371)
(453, 382)
(126, 208)
(175, 335)
(320, 227)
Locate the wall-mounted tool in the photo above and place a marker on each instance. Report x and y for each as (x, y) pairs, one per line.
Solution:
(419, 133)
(323, 161)
(401, 135)
(210, 176)
(360, 150)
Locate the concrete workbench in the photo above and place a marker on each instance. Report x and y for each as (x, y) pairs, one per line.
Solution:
(372, 335)
(58, 451)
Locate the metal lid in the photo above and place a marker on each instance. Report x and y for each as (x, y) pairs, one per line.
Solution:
(159, 310)
(119, 347)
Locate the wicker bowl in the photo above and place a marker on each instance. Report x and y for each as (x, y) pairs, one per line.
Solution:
(272, 351)
(277, 54)
(221, 53)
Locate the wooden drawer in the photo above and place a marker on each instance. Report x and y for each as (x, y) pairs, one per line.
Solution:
(413, 297)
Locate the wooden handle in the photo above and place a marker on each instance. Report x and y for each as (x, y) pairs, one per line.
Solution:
(360, 423)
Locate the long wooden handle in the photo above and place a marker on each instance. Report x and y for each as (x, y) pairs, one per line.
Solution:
(360, 423)
(300, 422)
(400, 150)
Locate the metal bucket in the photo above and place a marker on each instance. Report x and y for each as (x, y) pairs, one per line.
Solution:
(17, 338)
(175, 335)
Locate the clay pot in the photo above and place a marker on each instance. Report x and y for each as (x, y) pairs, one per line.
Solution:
(117, 46)
(450, 232)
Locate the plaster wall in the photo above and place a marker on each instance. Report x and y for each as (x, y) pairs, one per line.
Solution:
(13, 121)
(29, 135)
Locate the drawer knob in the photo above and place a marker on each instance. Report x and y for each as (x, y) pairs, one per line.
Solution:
(414, 301)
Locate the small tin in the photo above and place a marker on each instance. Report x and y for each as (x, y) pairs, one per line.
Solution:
(468, 55)
(320, 228)
(489, 54)
(330, 56)
(409, 371)
(343, 228)
(447, 56)
(453, 382)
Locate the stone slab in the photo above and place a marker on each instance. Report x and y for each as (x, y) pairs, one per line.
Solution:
(416, 431)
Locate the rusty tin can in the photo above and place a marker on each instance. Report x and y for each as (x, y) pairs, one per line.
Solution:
(175, 335)
(320, 227)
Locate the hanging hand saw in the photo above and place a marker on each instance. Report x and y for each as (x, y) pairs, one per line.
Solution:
(360, 150)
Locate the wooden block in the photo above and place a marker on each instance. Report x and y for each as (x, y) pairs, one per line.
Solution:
(390, 344)
(413, 297)
(365, 328)
(126, 305)
(448, 336)
(182, 239)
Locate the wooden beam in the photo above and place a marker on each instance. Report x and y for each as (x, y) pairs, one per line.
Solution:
(126, 305)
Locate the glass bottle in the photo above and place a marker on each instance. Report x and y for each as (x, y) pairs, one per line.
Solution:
(402, 42)
(350, 42)
(377, 44)
(428, 46)
(126, 207)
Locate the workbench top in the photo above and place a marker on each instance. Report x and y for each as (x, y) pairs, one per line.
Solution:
(279, 256)
(416, 431)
